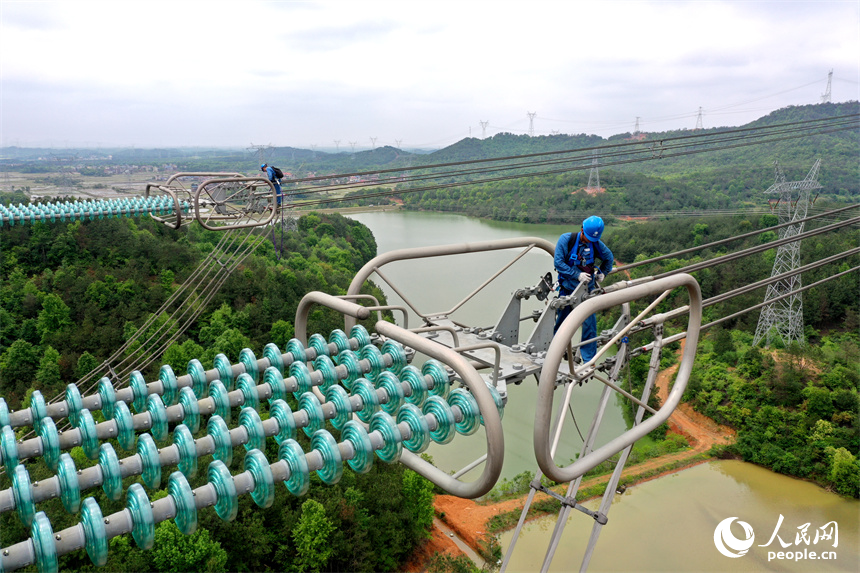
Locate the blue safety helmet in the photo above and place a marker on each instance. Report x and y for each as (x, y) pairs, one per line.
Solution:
(263, 166)
(593, 228)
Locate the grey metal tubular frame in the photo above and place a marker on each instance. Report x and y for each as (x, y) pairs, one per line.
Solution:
(203, 221)
(543, 410)
(492, 421)
(176, 210)
(440, 251)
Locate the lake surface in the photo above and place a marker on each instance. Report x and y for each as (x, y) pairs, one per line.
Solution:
(665, 524)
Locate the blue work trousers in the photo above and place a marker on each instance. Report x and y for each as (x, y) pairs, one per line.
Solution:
(589, 327)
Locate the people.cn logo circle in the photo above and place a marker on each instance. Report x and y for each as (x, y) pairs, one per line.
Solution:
(727, 543)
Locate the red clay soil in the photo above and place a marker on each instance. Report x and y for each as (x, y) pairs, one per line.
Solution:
(468, 518)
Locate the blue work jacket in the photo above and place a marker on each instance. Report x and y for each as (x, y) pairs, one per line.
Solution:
(565, 265)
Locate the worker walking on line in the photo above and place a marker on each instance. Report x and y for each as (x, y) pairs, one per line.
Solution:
(272, 176)
(576, 256)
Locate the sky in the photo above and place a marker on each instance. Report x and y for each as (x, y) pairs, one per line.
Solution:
(411, 74)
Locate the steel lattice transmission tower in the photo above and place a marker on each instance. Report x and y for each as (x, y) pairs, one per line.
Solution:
(825, 97)
(784, 318)
(531, 115)
(699, 119)
(594, 176)
(484, 125)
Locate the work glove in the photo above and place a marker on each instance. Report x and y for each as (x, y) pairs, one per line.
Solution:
(584, 277)
(599, 277)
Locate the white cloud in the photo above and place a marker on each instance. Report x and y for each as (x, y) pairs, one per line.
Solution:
(298, 73)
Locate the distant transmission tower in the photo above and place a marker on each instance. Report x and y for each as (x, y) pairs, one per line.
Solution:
(337, 144)
(699, 119)
(594, 176)
(484, 125)
(373, 142)
(352, 143)
(825, 97)
(261, 151)
(636, 129)
(398, 142)
(531, 122)
(784, 318)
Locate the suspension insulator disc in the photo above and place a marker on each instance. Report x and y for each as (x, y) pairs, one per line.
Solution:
(339, 339)
(70, 487)
(302, 376)
(249, 391)
(89, 437)
(420, 439)
(389, 382)
(107, 396)
(250, 420)
(360, 335)
(326, 445)
(417, 384)
(139, 391)
(374, 359)
(217, 428)
(8, 448)
(190, 408)
(22, 493)
(73, 403)
(50, 443)
(263, 493)
(325, 366)
(158, 416)
(225, 370)
(249, 361)
(4, 413)
(498, 400)
(281, 411)
(43, 543)
(273, 353)
(151, 466)
(383, 423)
(273, 377)
(95, 537)
(312, 407)
(397, 354)
(198, 378)
(170, 388)
(299, 480)
(143, 522)
(183, 498)
(297, 350)
(338, 397)
(355, 433)
(318, 343)
(124, 426)
(369, 398)
(220, 397)
(445, 427)
(184, 441)
(349, 360)
(436, 371)
(38, 410)
(111, 476)
(227, 504)
(468, 406)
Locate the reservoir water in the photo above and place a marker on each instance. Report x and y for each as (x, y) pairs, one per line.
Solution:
(666, 524)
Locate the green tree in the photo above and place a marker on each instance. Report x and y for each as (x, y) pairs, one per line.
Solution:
(281, 333)
(48, 374)
(418, 497)
(175, 552)
(86, 364)
(311, 537)
(18, 366)
(54, 317)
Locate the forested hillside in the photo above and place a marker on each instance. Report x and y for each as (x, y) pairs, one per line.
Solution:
(70, 294)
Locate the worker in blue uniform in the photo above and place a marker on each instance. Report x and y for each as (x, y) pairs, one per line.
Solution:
(576, 257)
(271, 176)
